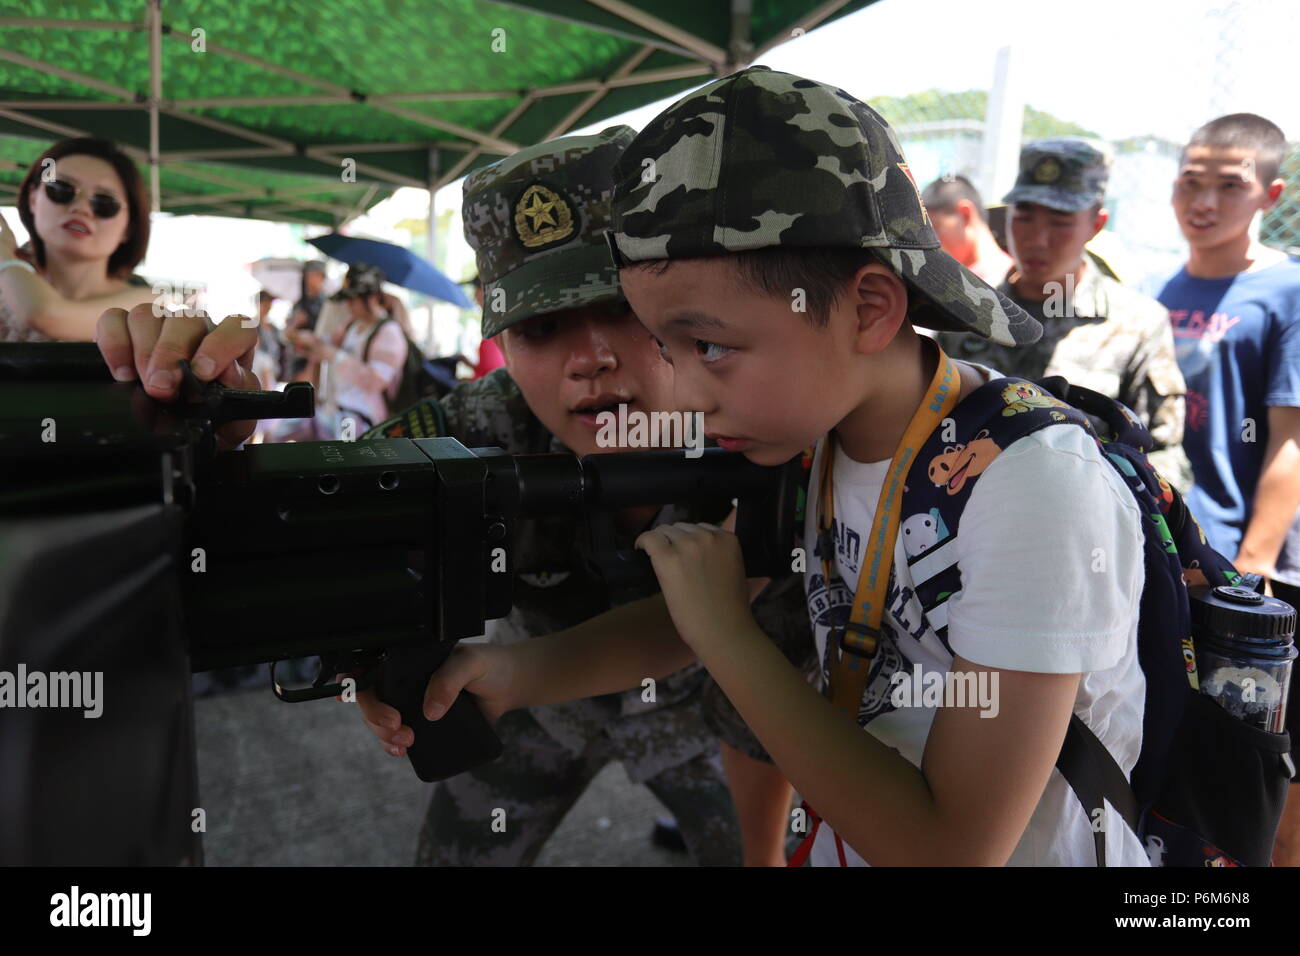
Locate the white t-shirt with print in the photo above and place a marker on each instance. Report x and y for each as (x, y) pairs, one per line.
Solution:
(1030, 600)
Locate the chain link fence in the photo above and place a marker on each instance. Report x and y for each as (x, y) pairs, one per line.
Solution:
(1281, 224)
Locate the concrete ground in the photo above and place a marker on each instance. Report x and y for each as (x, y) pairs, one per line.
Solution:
(306, 785)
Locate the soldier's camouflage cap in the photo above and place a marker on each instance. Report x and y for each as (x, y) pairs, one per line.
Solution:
(762, 158)
(536, 221)
(1066, 174)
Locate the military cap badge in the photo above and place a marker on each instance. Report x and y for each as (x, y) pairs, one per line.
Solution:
(542, 217)
(1047, 171)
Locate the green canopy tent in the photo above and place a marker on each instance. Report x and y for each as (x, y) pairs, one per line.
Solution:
(316, 111)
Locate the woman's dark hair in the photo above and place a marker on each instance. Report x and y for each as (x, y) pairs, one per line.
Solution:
(126, 256)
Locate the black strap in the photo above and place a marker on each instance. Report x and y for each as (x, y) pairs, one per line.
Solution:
(1095, 778)
(365, 349)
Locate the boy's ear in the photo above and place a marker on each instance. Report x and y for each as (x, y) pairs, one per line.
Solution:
(879, 297)
(1274, 190)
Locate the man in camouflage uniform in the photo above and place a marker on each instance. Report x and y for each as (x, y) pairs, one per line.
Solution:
(1096, 332)
(536, 222)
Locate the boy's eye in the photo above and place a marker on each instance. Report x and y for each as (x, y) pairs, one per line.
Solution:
(711, 351)
(663, 351)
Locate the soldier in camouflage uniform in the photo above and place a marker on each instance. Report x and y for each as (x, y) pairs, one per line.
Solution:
(536, 221)
(1096, 332)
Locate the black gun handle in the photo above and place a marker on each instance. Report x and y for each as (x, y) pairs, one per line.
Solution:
(459, 740)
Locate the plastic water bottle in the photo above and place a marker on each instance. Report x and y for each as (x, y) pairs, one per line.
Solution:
(1245, 646)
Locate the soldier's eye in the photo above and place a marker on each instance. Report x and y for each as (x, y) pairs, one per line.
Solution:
(538, 330)
(663, 350)
(711, 351)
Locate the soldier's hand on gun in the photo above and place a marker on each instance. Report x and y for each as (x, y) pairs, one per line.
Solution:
(484, 670)
(141, 346)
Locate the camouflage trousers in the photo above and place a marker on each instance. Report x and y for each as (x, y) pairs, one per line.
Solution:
(536, 781)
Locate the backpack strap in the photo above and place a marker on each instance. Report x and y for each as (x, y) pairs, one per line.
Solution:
(1095, 777)
(370, 339)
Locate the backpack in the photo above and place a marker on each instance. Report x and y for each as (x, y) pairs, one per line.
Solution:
(1207, 789)
(420, 376)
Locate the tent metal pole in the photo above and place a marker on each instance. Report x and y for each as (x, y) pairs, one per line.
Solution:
(647, 21)
(37, 123)
(87, 105)
(803, 25)
(47, 23)
(463, 163)
(42, 66)
(431, 240)
(595, 96)
(740, 48)
(155, 98)
(376, 172)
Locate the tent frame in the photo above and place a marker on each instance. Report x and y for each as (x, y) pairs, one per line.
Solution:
(711, 60)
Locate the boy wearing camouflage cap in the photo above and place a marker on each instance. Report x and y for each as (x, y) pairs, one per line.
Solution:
(1097, 332)
(536, 222)
(769, 230)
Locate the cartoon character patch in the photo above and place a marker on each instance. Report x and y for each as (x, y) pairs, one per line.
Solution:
(1022, 396)
(956, 464)
(922, 532)
(1193, 576)
(1129, 416)
(1166, 496)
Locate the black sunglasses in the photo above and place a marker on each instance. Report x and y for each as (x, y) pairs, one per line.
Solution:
(101, 206)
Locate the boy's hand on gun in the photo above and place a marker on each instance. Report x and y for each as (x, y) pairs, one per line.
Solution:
(701, 572)
(484, 670)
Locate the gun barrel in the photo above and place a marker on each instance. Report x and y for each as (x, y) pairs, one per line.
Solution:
(629, 479)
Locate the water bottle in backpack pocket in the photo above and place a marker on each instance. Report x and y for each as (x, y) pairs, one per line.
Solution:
(1244, 651)
(1229, 768)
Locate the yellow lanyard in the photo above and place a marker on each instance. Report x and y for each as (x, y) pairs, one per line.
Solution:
(860, 636)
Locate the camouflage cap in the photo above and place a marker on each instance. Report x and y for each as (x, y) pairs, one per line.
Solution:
(362, 279)
(1066, 174)
(536, 222)
(762, 158)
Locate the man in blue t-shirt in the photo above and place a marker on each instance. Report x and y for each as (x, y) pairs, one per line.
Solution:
(1235, 309)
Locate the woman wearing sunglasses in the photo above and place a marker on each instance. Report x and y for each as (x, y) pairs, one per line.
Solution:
(84, 205)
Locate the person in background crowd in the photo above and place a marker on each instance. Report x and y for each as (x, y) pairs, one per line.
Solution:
(489, 353)
(268, 361)
(305, 315)
(1096, 332)
(961, 222)
(86, 211)
(1235, 309)
(367, 354)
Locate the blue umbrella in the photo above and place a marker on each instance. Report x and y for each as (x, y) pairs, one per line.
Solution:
(401, 266)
